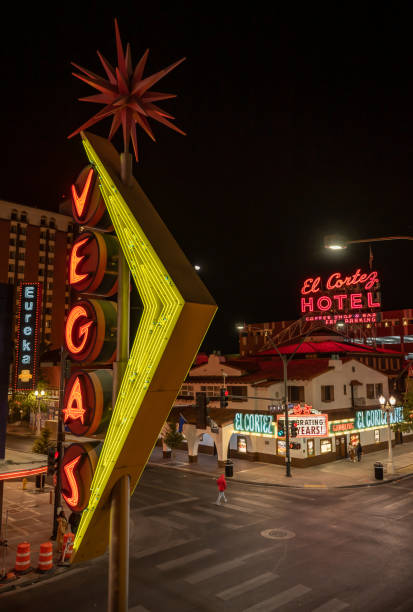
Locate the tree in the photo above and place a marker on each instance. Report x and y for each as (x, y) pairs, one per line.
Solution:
(407, 403)
(173, 438)
(42, 443)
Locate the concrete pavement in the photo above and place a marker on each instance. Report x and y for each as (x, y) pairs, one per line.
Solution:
(342, 473)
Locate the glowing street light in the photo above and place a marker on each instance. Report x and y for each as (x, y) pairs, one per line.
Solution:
(197, 268)
(335, 242)
(388, 407)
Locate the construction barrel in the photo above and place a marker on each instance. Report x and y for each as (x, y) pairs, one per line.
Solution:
(22, 557)
(45, 557)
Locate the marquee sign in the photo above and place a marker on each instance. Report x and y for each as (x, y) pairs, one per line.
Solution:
(177, 311)
(90, 331)
(350, 299)
(25, 371)
(88, 206)
(376, 418)
(254, 423)
(87, 402)
(93, 264)
(78, 465)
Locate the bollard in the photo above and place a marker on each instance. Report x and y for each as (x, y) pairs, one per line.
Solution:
(24, 484)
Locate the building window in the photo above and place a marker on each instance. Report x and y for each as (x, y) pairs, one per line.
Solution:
(52, 223)
(395, 363)
(187, 390)
(327, 393)
(12, 241)
(379, 389)
(296, 394)
(370, 391)
(23, 217)
(11, 267)
(43, 221)
(325, 446)
(345, 389)
(22, 256)
(20, 269)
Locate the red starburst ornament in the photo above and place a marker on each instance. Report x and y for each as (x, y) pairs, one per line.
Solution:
(126, 95)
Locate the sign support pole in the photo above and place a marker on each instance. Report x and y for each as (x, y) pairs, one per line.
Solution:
(118, 579)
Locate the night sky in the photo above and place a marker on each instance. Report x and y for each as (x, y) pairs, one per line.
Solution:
(299, 125)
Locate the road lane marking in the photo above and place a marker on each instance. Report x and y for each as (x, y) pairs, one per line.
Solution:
(166, 504)
(246, 586)
(334, 605)
(200, 554)
(158, 488)
(275, 602)
(191, 517)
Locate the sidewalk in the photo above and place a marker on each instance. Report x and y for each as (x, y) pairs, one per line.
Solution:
(340, 473)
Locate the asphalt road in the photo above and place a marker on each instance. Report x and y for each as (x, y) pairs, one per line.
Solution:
(268, 548)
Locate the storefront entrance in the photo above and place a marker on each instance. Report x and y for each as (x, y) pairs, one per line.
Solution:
(341, 447)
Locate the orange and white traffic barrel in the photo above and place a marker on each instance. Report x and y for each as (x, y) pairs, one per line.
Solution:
(22, 557)
(45, 557)
(68, 540)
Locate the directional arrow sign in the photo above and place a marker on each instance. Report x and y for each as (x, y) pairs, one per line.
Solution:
(177, 311)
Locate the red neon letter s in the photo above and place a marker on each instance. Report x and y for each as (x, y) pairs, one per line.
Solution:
(370, 302)
(355, 300)
(307, 304)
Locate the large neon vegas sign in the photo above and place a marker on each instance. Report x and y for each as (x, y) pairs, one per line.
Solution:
(343, 296)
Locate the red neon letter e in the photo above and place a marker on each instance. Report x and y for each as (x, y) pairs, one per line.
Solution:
(355, 300)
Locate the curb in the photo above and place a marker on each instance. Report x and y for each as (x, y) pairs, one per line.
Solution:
(15, 585)
(286, 486)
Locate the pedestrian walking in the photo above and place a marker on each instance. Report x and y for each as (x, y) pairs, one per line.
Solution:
(222, 485)
(74, 520)
(61, 530)
(359, 451)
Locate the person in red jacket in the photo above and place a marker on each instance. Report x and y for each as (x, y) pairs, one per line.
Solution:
(222, 485)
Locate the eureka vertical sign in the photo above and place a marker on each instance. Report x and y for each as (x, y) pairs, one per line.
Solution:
(25, 369)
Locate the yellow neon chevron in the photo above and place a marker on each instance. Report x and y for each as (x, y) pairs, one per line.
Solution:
(177, 311)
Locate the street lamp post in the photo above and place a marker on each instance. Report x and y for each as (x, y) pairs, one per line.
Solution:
(388, 407)
(334, 242)
(285, 362)
(38, 395)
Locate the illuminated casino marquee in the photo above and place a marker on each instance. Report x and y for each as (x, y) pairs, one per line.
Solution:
(349, 299)
(25, 371)
(260, 424)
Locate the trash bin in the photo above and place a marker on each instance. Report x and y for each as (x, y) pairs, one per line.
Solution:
(378, 470)
(229, 468)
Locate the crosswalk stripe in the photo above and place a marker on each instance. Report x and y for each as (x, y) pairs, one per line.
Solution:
(168, 523)
(200, 554)
(254, 502)
(190, 517)
(401, 502)
(273, 603)
(209, 572)
(246, 586)
(374, 499)
(334, 605)
(147, 552)
(166, 504)
(240, 508)
(220, 513)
